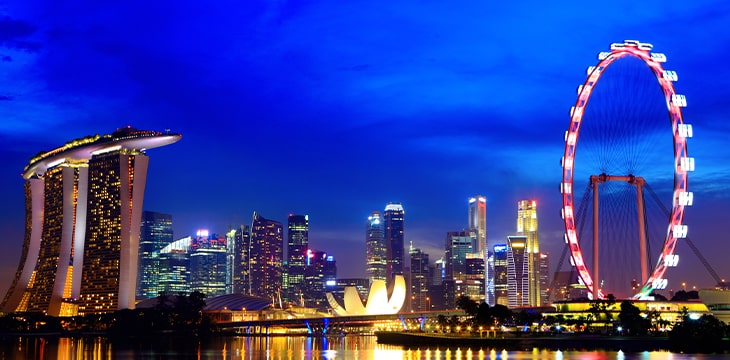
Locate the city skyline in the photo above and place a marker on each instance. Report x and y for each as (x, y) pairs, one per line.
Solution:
(322, 110)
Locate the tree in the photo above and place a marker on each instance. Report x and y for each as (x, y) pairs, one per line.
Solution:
(502, 314)
(703, 335)
(631, 319)
(469, 306)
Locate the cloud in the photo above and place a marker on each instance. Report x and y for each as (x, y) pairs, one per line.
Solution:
(13, 34)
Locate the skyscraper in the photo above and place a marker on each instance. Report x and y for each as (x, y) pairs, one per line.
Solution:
(478, 224)
(527, 226)
(478, 220)
(266, 257)
(501, 284)
(420, 280)
(156, 233)
(208, 265)
(518, 291)
(241, 260)
(394, 240)
(174, 258)
(458, 245)
(297, 246)
(83, 214)
(376, 251)
(320, 274)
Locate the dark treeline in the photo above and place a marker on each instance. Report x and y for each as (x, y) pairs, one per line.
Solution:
(179, 314)
(689, 334)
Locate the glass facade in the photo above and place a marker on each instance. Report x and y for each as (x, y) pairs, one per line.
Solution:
(155, 233)
(375, 249)
(394, 240)
(297, 246)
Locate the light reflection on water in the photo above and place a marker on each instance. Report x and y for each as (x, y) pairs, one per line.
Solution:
(281, 347)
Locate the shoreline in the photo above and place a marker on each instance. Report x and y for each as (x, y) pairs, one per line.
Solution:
(560, 342)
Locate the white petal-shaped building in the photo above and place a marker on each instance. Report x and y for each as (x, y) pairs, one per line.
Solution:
(378, 302)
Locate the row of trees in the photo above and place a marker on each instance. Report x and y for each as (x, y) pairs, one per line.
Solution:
(172, 314)
(704, 334)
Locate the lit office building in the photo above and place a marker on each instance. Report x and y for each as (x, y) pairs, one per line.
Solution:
(478, 221)
(376, 251)
(474, 278)
(83, 214)
(241, 263)
(544, 269)
(517, 272)
(174, 277)
(527, 227)
(320, 277)
(420, 280)
(478, 224)
(500, 264)
(155, 233)
(266, 257)
(297, 246)
(394, 240)
(208, 268)
(458, 245)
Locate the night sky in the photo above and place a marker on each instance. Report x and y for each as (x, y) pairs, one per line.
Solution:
(334, 108)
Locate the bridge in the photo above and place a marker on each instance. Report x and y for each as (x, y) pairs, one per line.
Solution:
(335, 324)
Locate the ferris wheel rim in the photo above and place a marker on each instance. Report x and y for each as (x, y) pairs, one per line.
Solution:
(674, 102)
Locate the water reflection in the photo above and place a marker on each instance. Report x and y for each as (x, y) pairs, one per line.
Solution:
(275, 348)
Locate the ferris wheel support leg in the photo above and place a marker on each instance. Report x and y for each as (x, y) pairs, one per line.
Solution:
(595, 181)
(639, 182)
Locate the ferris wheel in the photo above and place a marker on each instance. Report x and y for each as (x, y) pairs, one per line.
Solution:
(617, 158)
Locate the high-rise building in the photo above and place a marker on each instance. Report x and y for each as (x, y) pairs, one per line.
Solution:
(266, 257)
(155, 234)
(394, 240)
(420, 280)
(544, 269)
(517, 272)
(297, 246)
(458, 245)
(208, 265)
(174, 259)
(478, 221)
(527, 226)
(478, 224)
(376, 251)
(319, 278)
(230, 260)
(241, 260)
(500, 264)
(83, 214)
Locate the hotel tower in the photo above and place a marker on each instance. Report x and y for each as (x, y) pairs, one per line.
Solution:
(83, 204)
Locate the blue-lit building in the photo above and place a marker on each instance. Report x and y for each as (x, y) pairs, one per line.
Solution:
(297, 247)
(394, 240)
(376, 251)
(174, 277)
(155, 234)
(208, 269)
(499, 264)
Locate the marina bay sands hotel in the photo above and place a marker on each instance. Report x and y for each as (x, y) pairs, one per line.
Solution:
(83, 206)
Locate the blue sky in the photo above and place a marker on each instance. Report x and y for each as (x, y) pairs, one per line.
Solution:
(334, 108)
